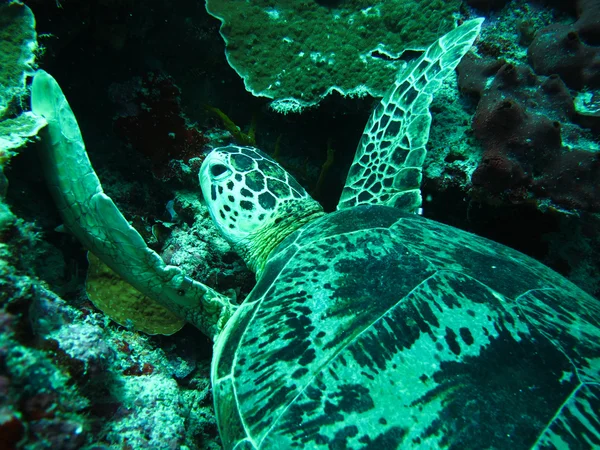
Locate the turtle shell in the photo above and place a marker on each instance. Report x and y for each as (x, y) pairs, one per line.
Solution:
(371, 328)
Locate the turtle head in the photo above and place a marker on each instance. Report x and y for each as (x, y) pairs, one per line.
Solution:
(253, 201)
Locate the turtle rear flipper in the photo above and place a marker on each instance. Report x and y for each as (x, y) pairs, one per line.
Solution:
(387, 167)
(99, 225)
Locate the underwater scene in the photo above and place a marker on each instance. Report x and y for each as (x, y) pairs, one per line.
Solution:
(299, 224)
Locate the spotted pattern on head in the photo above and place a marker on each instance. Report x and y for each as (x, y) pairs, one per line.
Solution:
(246, 190)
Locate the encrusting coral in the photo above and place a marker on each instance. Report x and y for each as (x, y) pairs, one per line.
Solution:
(18, 45)
(298, 52)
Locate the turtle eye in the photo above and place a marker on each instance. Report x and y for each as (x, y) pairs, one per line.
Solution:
(218, 170)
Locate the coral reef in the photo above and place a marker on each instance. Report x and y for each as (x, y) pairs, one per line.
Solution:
(518, 143)
(195, 245)
(70, 378)
(298, 52)
(18, 45)
(154, 124)
(534, 148)
(537, 146)
(571, 51)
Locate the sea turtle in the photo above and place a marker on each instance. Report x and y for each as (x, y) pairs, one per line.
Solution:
(370, 327)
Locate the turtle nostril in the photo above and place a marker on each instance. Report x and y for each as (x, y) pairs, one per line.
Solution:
(218, 169)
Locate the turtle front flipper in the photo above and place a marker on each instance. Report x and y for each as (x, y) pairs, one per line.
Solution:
(387, 167)
(95, 220)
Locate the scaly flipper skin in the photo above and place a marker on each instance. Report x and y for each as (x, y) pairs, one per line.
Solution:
(388, 162)
(95, 220)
